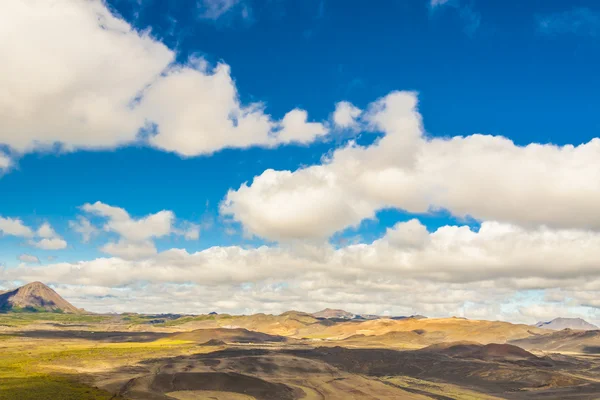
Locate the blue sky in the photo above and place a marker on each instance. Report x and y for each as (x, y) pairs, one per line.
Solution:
(526, 71)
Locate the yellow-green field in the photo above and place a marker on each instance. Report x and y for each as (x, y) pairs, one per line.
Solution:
(51, 369)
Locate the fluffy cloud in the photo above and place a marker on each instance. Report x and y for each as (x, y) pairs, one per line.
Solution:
(135, 230)
(480, 176)
(49, 239)
(296, 129)
(44, 237)
(129, 250)
(55, 243)
(346, 115)
(81, 77)
(72, 75)
(14, 227)
(28, 258)
(453, 270)
(136, 235)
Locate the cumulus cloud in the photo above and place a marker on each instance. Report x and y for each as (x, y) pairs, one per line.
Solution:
(49, 239)
(79, 90)
(135, 230)
(28, 258)
(44, 237)
(129, 250)
(135, 235)
(55, 243)
(14, 227)
(295, 128)
(480, 176)
(46, 231)
(452, 270)
(345, 115)
(102, 84)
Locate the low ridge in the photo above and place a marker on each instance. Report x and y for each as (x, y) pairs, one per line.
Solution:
(35, 297)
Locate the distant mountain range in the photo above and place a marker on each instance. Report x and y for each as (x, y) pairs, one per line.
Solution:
(332, 313)
(35, 297)
(558, 324)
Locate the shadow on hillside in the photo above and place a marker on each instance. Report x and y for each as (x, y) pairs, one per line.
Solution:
(591, 349)
(107, 337)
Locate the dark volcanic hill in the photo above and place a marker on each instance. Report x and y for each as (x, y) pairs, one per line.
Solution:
(559, 324)
(33, 297)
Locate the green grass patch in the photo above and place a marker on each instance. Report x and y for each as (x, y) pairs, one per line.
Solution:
(28, 318)
(48, 387)
(45, 370)
(195, 318)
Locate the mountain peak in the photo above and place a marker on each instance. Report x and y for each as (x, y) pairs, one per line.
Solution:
(561, 323)
(35, 296)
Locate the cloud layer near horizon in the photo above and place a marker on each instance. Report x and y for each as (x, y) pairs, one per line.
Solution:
(454, 270)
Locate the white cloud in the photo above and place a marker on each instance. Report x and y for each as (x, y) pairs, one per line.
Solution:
(408, 234)
(46, 231)
(50, 240)
(482, 176)
(83, 78)
(136, 235)
(14, 227)
(44, 237)
(345, 115)
(130, 250)
(55, 243)
(135, 230)
(27, 258)
(203, 113)
(84, 227)
(72, 75)
(296, 129)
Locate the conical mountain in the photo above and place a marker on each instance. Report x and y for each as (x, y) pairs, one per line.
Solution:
(35, 296)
